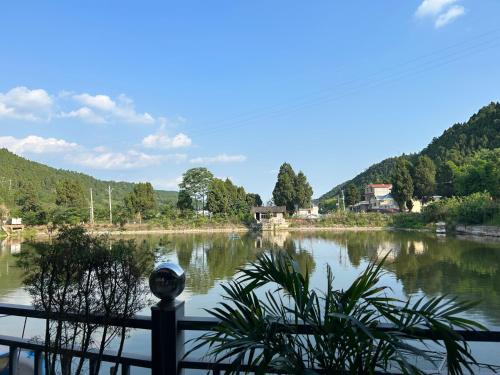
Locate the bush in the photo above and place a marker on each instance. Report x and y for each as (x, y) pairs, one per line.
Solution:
(442, 210)
(477, 208)
(348, 218)
(408, 220)
(346, 335)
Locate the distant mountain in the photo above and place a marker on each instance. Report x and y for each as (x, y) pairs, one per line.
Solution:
(15, 169)
(456, 143)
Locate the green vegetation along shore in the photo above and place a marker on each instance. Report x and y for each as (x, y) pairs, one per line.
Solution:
(462, 167)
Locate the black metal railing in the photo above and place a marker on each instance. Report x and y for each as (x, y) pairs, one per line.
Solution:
(167, 324)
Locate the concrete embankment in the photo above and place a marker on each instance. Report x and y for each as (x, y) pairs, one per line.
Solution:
(478, 230)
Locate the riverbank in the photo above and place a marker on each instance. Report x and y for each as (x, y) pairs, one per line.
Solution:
(479, 230)
(226, 229)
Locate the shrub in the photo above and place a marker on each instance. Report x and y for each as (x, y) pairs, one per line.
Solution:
(409, 220)
(345, 333)
(477, 208)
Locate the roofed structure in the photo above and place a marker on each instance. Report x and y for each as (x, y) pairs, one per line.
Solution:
(269, 218)
(269, 209)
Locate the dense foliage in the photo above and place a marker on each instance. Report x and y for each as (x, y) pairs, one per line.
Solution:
(226, 199)
(455, 145)
(141, 202)
(352, 195)
(424, 177)
(479, 173)
(84, 275)
(195, 183)
(291, 190)
(402, 183)
(345, 333)
(477, 208)
(30, 190)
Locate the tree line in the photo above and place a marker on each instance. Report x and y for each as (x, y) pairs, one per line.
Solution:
(478, 173)
(453, 148)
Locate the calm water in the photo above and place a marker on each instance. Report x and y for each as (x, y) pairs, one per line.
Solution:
(419, 264)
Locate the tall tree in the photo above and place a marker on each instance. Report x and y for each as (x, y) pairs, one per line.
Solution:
(479, 173)
(184, 201)
(27, 198)
(402, 183)
(352, 195)
(303, 191)
(284, 190)
(196, 182)
(142, 200)
(424, 177)
(254, 200)
(444, 179)
(218, 197)
(69, 193)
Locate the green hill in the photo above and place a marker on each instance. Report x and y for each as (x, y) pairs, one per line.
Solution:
(14, 170)
(481, 131)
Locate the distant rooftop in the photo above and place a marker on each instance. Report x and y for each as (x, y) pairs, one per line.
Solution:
(269, 209)
(380, 185)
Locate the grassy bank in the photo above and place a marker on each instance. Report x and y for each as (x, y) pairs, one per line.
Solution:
(349, 219)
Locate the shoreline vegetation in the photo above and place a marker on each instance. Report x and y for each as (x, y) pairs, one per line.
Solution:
(338, 221)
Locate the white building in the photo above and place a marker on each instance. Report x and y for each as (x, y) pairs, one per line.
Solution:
(378, 197)
(308, 213)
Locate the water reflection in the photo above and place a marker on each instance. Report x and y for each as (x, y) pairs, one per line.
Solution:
(420, 263)
(424, 263)
(10, 275)
(210, 258)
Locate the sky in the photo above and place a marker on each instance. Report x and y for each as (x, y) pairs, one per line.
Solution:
(143, 91)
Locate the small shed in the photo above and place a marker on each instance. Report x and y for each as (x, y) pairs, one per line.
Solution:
(269, 217)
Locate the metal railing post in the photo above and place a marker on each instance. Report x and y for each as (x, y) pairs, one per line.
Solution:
(167, 342)
(13, 360)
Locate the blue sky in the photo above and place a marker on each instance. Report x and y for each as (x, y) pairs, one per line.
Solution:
(142, 91)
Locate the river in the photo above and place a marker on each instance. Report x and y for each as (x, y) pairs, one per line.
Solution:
(419, 264)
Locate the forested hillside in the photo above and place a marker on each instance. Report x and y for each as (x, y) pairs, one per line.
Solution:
(458, 142)
(15, 172)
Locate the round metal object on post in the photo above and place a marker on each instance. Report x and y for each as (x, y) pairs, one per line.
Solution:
(167, 281)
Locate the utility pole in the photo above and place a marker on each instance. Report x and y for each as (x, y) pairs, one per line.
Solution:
(110, 209)
(343, 200)
(91, 208)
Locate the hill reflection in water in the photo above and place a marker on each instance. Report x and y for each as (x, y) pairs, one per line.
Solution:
(417, 263)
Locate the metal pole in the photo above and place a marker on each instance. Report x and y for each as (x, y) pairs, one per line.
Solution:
(91, 208)
(110, 209)
(167, 343)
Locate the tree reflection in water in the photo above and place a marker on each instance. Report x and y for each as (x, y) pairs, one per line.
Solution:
(424, 263)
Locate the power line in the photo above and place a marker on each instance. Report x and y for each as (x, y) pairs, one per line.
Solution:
(360, 85)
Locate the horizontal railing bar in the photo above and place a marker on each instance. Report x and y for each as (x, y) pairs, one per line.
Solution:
(209, 323)
(200, 364)
(130, 359)
(191, 323)
(138, 321)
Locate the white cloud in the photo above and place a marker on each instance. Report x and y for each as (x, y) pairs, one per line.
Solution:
(86, 114)
(441, 11)
(222, 158)
(98, 158)
(452, 13)
(102, 102)
(432, 7)
(22, 103)
(123, 160)
(167, 184)
(36, 145)
(164, 141)
(122, 109)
